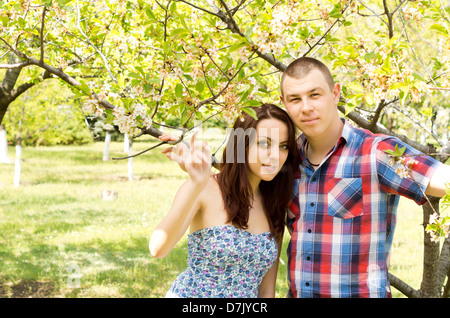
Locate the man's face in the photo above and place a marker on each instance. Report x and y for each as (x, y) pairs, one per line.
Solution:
(311, 103)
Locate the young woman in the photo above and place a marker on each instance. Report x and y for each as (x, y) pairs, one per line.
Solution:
(236, 217)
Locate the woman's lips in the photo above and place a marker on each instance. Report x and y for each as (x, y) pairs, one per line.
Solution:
(269, 168)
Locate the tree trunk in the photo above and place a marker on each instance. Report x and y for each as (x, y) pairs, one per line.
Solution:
(106, 146)
(444, 268)
(429, 287)
(3, 146)
(7, 85)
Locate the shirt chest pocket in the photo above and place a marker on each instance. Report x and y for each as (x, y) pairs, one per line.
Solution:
(345, 197)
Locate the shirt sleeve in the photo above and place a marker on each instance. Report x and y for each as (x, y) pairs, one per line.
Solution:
(409, 177)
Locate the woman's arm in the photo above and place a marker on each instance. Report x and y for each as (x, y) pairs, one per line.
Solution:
(441, 176)
(268, 283)
(187, 200)
(184, 207)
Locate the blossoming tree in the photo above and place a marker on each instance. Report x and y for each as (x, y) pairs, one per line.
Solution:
(139, 63)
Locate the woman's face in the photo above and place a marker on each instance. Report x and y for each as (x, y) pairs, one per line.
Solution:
(269, 151)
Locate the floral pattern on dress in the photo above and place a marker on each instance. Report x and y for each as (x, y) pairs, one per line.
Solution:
(225, 262)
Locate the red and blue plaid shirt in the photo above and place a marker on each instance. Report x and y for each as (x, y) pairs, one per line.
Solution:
(342, 216)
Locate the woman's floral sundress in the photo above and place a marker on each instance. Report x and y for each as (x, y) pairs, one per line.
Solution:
(225, 262)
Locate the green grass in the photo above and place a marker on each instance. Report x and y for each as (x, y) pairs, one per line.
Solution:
(56, 226)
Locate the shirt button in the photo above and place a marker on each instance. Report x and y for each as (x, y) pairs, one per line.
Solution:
(309, 231)
(308, 258)
(311, 204)
(314, 179)
(307, 284)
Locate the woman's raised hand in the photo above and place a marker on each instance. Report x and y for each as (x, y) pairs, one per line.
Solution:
(196, 160)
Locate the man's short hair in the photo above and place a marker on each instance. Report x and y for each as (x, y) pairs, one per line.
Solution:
(302, 66)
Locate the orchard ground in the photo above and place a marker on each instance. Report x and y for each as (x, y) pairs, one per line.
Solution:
(60, 238)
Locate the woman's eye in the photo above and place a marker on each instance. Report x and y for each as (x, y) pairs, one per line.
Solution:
(263, 143)
(284, 147)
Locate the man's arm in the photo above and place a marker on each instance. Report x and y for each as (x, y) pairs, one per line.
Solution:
(441, 176)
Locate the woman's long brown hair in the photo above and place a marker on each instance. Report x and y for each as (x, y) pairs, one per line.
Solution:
(233, 179)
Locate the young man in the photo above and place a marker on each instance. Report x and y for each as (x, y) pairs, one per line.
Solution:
(342, 218)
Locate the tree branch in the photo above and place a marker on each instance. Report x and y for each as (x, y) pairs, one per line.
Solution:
(378, 129)
(389, 16)
(376, 116)
(41, 33)
(105, 61)
(417, 122)
(16, 65)
(404, 288)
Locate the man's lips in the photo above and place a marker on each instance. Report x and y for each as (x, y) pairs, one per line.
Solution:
(309, 120)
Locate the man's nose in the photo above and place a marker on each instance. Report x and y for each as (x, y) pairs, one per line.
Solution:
(306, 105)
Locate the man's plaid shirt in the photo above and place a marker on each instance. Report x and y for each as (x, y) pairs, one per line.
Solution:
(342, 216)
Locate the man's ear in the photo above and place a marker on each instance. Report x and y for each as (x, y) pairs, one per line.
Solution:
(336, 92)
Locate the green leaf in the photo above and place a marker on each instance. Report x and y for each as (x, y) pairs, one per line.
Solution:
(370, 56)
(199, 87)
(179, 90)
(387, 66)
(356, 86)
(398, 85)
(149, 13)
(140, 70)
(433, 227)
(62, 3)
(179, 31)
(84, 88)
(427, 111)
(134, 75)
(393, 39)
(248, 33)
(236, 46)
(135, 82)
(173, 8)
(439, 28)
(336, 12)
(250, 111)
(4, 19)
(396, 152)
(253, 103)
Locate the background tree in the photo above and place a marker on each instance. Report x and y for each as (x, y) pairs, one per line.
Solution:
(46, 115)
(140, 63)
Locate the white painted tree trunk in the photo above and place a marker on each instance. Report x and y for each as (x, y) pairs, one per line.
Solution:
(106, 146)
(17, 165)
(126, 143)
(3, 146)
(130, 160)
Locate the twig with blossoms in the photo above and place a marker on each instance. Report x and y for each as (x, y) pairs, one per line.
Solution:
(438, 226)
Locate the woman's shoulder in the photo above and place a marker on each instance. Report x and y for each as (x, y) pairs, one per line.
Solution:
(211, 210)
(211, 189)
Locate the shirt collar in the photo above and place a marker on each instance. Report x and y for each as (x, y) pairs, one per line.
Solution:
(347, 131)
(346, 136)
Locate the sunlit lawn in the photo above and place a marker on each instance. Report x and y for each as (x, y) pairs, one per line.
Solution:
(59, 238)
